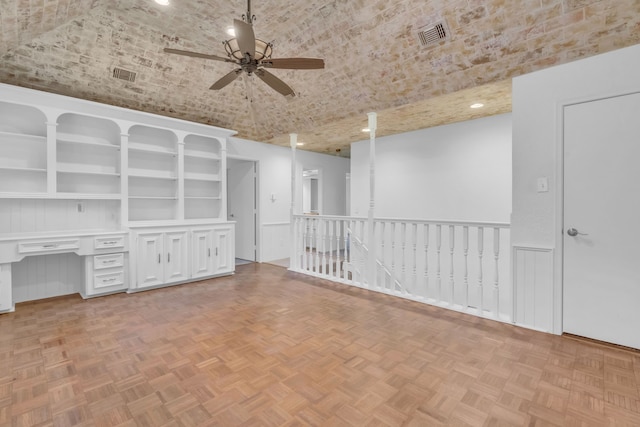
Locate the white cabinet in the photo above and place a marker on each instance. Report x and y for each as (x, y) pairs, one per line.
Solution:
(212, 250)
(161, 258)
(224, 254)
(201, 253)
(104, 274)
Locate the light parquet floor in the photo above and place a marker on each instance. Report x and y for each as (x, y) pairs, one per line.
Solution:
(268, 347)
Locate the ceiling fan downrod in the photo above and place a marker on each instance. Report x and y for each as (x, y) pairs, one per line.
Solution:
(248, 17)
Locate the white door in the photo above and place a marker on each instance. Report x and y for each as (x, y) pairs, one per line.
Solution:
(601, 269)
(150, 265)
(175, 243)
(201, 243)
(241, 204)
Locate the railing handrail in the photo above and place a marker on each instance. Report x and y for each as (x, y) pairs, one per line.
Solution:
(488, 224)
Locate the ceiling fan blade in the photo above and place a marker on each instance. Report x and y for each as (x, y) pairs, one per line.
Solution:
(245, 36)
(294, 63)
(196, 54)
(275, 83)
(226, 79)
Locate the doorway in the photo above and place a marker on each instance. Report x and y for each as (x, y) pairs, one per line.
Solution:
(242, 206)
(601, 240)
(312, 192)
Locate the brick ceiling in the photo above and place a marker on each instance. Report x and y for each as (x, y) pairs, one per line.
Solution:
(374, 59)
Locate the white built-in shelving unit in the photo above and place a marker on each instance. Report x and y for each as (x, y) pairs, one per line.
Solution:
(202, 177)
(87, 156)
(23, 144)
(68, 166)
(153, 174)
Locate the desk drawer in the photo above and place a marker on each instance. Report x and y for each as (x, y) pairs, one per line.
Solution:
(100, 262)
(49, 246)
(108, 280)
(108, 242)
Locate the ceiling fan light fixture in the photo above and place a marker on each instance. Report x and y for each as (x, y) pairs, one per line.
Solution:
(231, 31)
(163, 2)
(263, 49)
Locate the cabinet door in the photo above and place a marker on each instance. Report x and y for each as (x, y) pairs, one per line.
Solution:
(175, 256)
(150, 266)
(224, 250)
(201, 253)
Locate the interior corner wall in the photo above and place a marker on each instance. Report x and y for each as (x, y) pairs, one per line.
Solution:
(275, 179)
(538, 99)
(460, 171)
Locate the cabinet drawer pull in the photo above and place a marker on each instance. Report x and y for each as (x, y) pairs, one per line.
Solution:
(113, 279)
(50, 246)
(159, 260)
(110, 261)
(111, 242)
(168, 257)
(209, 251)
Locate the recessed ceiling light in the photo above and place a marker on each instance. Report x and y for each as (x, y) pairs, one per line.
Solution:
(300, 143)
(477, 105)
(163, 2)
(231, 31)
(366, 130)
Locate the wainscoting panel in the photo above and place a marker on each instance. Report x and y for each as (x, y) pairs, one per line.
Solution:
(32, 215)
(533, 287)
(46, 276)
(275, 241)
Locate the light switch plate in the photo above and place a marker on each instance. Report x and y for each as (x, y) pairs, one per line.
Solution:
(543, 184)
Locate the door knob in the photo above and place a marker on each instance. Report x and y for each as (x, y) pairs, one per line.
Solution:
(573, 232)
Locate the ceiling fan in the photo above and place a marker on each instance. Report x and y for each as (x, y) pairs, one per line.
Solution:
(252, 56)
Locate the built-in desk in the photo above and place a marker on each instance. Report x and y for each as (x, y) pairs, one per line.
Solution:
(104, 258)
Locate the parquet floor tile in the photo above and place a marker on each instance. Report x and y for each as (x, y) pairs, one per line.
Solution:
(267, 347)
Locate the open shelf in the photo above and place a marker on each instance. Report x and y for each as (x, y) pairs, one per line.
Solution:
(166, 175)
(19, 169)
(87, 156)
(67, 138)
(201, 177)
(12, 137)
(147, 148)
(201, 155)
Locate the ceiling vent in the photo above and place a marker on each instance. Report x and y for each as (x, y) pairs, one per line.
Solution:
(122, 74)
(433, 35)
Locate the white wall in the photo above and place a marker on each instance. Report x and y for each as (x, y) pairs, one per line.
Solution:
(537, 137)
(275, 178)
(460, 171)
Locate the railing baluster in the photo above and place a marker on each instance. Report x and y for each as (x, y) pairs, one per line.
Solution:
(331, 254)
(393, 257)
(465, 248)
(403, 272)
(414, 281)
(452, 238)
(383, 257)
(316, 246)
(427, 291)
(338, 254)
(347, 250)
(496, 288)
(480, 289)
(305, 237)
(322, 232)
(293, 262)
(438, 274)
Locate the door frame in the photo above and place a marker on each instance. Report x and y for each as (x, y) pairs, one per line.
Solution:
(558, 256)
(256, 192)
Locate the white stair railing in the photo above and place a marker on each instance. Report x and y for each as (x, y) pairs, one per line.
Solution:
(436, 262)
